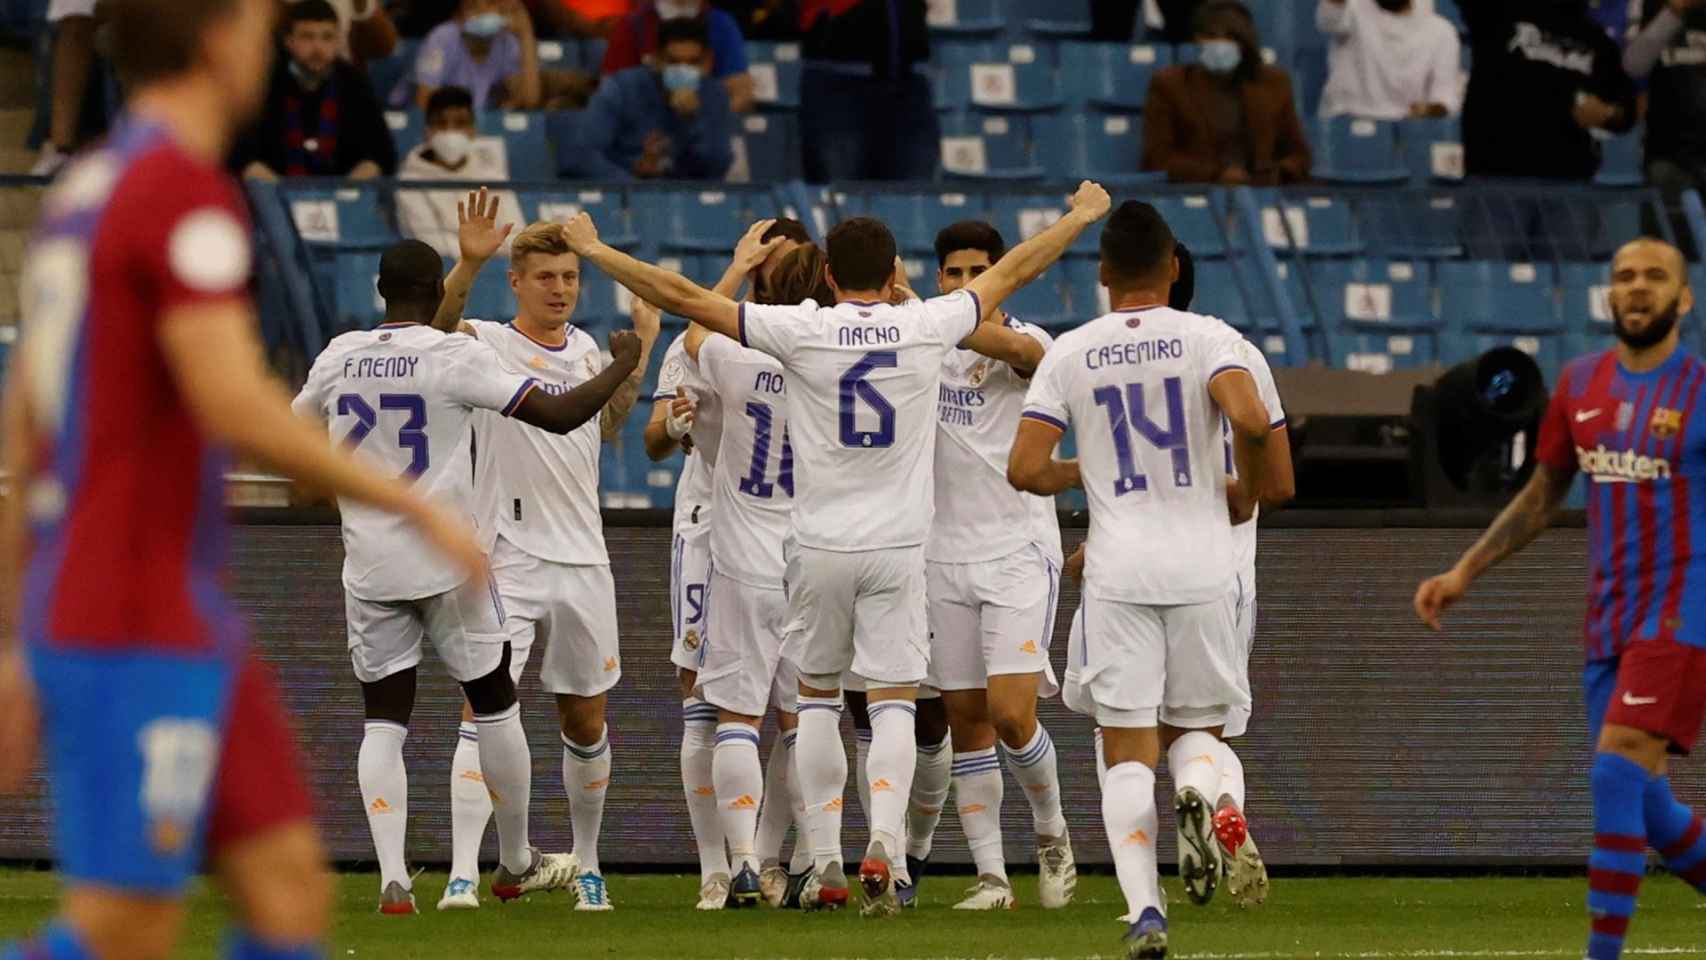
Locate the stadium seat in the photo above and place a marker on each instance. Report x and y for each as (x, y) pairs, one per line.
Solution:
(608, 211)
(1020, 216)
(996, 77)
(1317, 223)
(987, 147)
(965, 18)
(1412, 224)
(1085, 297)
(1196, 218)
(1620, 162)
(358, 305)
(1308, 79)
(491, 298)
(775, 70)
(1486, 297)
(1587, 287)
(1110, 76)
(558, 55)
(1220, 293)
(689, 219)
(408, 130)
(1433, 147)
(1383, 352)
(1104, 146)
(347, 216)
(1042, 301)
(1055, 18)
(771, 142)
(600, 307)
(916, 218)
(1373, 293)
(524, 138)
(1358, 150)
(393, 76)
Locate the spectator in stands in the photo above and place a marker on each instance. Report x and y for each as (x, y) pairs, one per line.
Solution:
(365, 30)
(73, 26)
(1545, 76)
(777, 20)
(490, 50)
(636, 38)
(1116, 21)
(866, 110)
(321, 117)
(582, 18)
(1670, 54)
(1228, 119)
(1389, 60)
(452, 151)
(666, 119)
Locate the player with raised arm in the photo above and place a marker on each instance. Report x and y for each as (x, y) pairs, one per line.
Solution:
(405, 396)
(1625, 418)
(863, 379)
(138, 374)
(992, 578)
(1156, 662)
(687, 415)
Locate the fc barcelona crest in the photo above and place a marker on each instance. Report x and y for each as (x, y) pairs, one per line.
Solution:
(1666, 422)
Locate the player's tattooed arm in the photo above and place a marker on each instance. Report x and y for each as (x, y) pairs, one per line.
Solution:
(670, 291)
(1523, 519)
(1031, 465)
(1028, 260)
(647, 321)
(563, 413)
(479, 238)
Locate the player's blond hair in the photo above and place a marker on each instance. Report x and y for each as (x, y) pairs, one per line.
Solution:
(544, 238)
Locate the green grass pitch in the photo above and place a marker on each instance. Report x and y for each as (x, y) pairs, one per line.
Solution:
(1364, 918)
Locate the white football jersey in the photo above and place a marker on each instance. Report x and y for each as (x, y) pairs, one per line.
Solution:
(1133, 385)
(979, 516)
(539, 490)
(403, 397)
(754, 475)
(693, 487)
(862, 380)
(1244, 535)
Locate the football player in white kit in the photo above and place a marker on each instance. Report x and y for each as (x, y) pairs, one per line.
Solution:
(536, 499)
(687, 415)
(863, 379)
(404, 396)
(992, 577)
(1156, 662)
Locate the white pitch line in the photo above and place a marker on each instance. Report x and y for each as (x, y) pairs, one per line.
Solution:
(1359, 955)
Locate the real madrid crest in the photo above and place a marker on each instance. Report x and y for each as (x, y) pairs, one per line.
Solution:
(979, 372)
(691, 640)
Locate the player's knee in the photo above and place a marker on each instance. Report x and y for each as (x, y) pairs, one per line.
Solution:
(124, 928)
(281, 886)
(1014, 724)
(932, 722)
(584, 730)
(1637, 746)
(391, 699)
(494, 692)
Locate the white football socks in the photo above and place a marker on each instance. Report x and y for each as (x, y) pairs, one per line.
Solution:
(1231, 776)
(470, 805)
(1129, 815)
(508, 768)
(1101, 761)
(820, 771)
(978, 789)
(739, 779)
(1034, 766)
(1194, 762)
(861, 762)
(891, 767)
(776, 813)
(385, 794)
(698, 741)
(929, 793)
(586, 779)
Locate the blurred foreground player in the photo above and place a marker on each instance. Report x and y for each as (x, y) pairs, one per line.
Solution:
(1625, 417)
(138, 373)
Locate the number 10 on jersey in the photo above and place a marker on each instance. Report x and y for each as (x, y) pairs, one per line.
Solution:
(1127, 414)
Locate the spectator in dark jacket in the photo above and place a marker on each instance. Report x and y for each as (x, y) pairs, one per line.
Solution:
(1670, 54)
(670, 119)
(866, 110)
(321, 117)
(636, 37)
(1229, 119)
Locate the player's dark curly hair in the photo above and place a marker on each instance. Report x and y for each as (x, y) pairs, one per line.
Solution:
(801, 276)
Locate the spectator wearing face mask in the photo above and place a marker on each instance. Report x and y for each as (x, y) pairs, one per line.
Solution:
(1389, 60)
(636, 38)
(490, 50)
(1228, 119)
(670, 118)
(321, 118)
(452, 151)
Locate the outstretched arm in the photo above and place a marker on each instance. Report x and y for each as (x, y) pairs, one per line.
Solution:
(1028, 260)
(1234, 391)
(480, 238)
(665, 289)
(564, 413)
(1031, 466)
(646, 325)
(997, 342)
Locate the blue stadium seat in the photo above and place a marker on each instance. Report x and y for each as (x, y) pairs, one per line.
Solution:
(347, 216)
(523, 134)
(393, 77)
(1220, 293)
(916, 218)
(1105, 146)
(1587, 287)
(491, 298)
(1412, 225)
(981, 146)
(563, 130)
(996, 77)
(1261, 311)
(1486, 297)
(358, 305)
(606, 207)
(1317, 223)
(966, 18)
(1110, 76)
(1056, 18)
(1434, 148)
(1358, 150)
(1042, 301)
(689, 219)
(560, 55)
(408, 130)
(1020, 216)
(1620, 162)
(1196, 219)
(775, 70)
(772, 146)
(950, 66)
(598, 308)
(1308, 78)
(1084, 293)
(1363, 293)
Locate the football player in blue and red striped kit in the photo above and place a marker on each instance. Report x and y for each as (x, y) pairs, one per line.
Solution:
(1626, 418)
(138, 372)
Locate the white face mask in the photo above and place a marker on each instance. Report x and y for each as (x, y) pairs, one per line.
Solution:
(677, 9)
(451, 146)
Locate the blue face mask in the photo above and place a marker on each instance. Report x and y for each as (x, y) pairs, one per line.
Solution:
(485, 26)
(1221, 56)
(680, 76)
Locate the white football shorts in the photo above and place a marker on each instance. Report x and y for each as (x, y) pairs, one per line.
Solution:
(1244, 601)
(689, 574)
(570, 608)
(991, 618)
(1131, 665)
(861, 611)
(466, 626)
(741, 667)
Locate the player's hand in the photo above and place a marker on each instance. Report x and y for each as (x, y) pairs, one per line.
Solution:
(580, 233)
(477, 232)
(1240, 507)
(19, 721)
(753, 249)
(1592, 113)
(625, 348)
(1091, 201)
(903, 292)
(1437, 594)
(1075, 564)
(682, 411)
(648, 320)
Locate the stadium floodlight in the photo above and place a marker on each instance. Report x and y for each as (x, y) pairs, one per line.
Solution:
(1474, 430)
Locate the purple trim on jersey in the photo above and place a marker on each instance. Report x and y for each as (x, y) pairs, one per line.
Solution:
(1227, 368)
(395, 324)
(977, 311)
(1277, 424)
(863, 303)
(1041, 417)
(740, 325)
(541, 345)
(520, 393)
